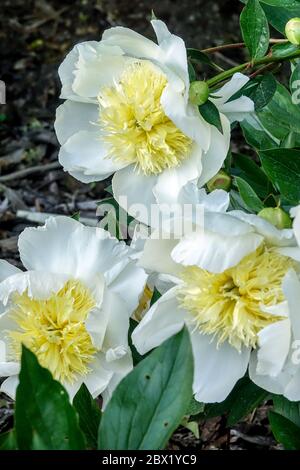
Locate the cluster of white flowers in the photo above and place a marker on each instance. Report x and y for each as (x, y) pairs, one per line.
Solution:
(232, 278)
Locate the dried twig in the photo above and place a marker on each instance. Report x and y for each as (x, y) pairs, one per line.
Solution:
(29, 171)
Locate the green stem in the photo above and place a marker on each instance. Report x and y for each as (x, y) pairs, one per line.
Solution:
(269, 59)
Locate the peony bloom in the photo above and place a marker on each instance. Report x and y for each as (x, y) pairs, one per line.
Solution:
(275, 365)
(227, 288)
(127, 113)
(71, 307)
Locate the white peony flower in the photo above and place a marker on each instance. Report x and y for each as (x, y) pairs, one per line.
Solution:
(127, 112)
(227, 284)
(71, 307)
(276, 364)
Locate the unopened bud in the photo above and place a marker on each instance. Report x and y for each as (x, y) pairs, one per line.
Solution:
(199, 93)
(277, 217)
(220, 181)
(292, 31)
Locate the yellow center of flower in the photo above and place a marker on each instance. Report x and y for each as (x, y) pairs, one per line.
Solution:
(134, 125)
(229, 305)
(54, 330)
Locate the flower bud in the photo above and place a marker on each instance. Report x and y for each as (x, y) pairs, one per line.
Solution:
(276, 216)
(220, 181)
(199, 93)
(292, 31)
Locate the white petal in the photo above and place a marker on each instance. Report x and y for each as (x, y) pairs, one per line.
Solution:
(79, 251)
(99, 377)
(97, 68)
(238, 109)
(132, 43)
(234, 85)
(116, 334)
(292, 390)
(214, 252)
(97, 320)
(163, 320)
(186, 117)
(72, 117)
(275, 384)
(216, 369)
(66, 71)
(174, 52)
(40, 285)
(157, 256)
(129, 285)
(216, 201)
(9, 368)
(88, 67)
(291, 289)
(214, 158)
(170, 182)
(272, 235)
(134, 192)
(274, 344)
(9, 386)
(295, 212)
(7, 269)
(84, 156)
(121, 368)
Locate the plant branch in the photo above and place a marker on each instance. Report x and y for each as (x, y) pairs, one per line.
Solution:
(268, 59)
(238, 45)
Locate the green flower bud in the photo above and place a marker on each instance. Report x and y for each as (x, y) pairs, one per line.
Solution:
(292, 31)
(277, 217)
(220, 181)
(199, 93)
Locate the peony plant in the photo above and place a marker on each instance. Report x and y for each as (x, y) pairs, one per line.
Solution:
(111, 345)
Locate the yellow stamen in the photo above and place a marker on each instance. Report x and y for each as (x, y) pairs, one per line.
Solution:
(229, 305)
(54, 330)
(134, 125)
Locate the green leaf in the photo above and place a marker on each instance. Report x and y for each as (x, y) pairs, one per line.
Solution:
(248, 397)
(8, 441)
(192, 72)
(283, 50)
(285, 431)
(44, 417)
(195, 407)
(260, 89)
(210, 114)
(252, 173)
(257, 135)
(295, 84)
(286, 408)
(199, 57)
(89, 415)
(282, 3)
(248, 195)
(150, 402)
(279, 16)
(155, 296)
(281, 116)
(136, 357)
(255, 29)
(283, 168)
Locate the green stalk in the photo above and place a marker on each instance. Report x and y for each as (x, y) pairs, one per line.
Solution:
(268, 59)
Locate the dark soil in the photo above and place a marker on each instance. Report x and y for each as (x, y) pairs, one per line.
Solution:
(35, 36)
